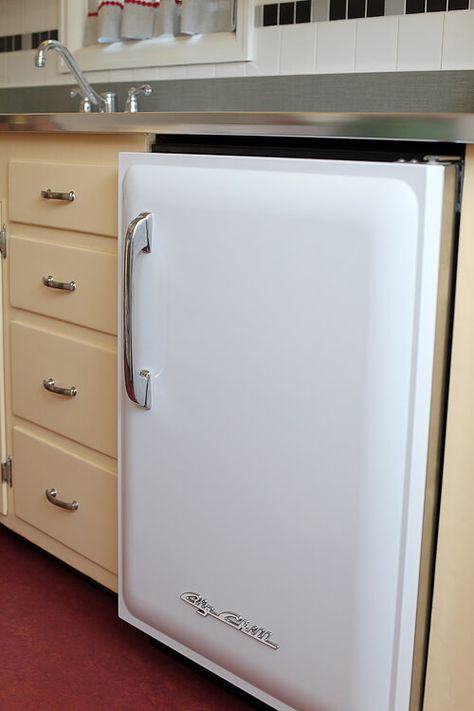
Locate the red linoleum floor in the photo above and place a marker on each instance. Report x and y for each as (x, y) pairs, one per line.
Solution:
(63, 648)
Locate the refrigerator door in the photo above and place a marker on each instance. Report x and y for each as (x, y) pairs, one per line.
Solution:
(283, 315)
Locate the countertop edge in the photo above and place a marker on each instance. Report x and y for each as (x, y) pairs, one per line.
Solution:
(458, 128)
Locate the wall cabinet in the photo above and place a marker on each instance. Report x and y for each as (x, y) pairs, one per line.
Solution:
(63, 443)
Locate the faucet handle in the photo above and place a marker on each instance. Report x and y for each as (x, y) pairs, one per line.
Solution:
(131, 105)
(110, 101)
(85, 105)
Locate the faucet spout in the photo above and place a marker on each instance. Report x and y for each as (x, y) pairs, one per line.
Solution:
(86, 90)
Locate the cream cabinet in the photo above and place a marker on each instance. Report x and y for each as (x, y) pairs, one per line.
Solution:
(59, 207)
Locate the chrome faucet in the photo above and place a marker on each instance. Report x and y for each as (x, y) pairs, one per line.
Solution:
(104, 102)
(131, 105)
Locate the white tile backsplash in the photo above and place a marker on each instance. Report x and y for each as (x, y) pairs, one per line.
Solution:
(141, 75)
(376, 44)
(177, 72)
(20, 71)
(200, 71)
(267, 49)
(230, 69)
(335, 49)
(458, 41)
(392, 43)
(420, 41)
(122, 75)
(298, 49)
(99, 76)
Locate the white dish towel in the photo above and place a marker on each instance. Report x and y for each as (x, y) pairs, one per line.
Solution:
(205, 16)
(167, 18)
(115, 20)
(138, 19)
(103, 22)
(90, 30)
(109, 21)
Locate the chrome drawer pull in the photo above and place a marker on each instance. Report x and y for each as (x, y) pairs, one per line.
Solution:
(51, 495)
(50, 195)
(64, 285)
(52, 388)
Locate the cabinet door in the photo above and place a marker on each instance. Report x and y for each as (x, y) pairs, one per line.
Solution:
(3, 430)
(287, 312)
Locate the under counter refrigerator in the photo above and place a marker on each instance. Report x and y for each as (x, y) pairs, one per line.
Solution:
(283, 330)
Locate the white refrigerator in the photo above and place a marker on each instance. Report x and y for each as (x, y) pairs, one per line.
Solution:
(283, 325)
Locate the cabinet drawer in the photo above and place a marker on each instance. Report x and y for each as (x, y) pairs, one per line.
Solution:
(90, 416)
(94, 208)
(93, 303)
(91, 530)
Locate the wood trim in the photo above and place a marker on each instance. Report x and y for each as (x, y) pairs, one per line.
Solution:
(3, 432)
(450, 681)
(436, 437)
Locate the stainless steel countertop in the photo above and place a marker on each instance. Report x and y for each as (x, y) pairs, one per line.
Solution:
(457, 128)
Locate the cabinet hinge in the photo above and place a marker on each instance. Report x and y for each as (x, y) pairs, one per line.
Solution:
(3, 242)
(7, 472)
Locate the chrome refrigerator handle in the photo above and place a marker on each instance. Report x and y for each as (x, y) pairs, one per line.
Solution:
(137, 240)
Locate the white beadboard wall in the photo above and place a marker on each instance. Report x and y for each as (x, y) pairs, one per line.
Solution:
(430, 41)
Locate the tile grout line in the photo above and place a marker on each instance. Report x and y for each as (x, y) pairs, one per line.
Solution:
(442, 42)
(398, 43)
